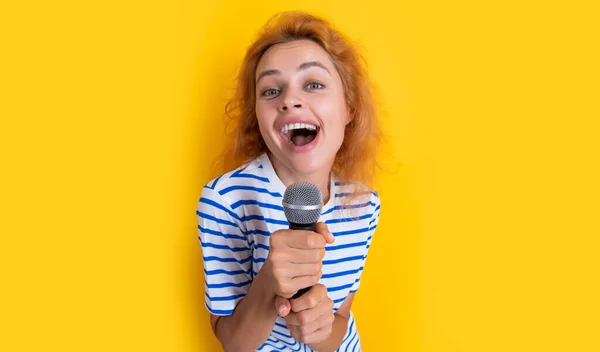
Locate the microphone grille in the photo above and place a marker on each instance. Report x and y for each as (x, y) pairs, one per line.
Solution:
(302, 194)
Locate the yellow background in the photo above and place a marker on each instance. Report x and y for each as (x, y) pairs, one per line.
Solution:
(489, 237)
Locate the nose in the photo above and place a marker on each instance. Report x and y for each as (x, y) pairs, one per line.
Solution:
(289, 102)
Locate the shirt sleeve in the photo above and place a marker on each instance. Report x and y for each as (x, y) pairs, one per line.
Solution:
(226, 254)
(372, 227)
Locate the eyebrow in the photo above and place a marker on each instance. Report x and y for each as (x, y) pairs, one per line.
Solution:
(303, 66)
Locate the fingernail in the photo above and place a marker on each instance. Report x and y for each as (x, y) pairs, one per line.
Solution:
(281, 308)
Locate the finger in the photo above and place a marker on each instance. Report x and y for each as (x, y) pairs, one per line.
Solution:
(303, 256)
(299, 270)
(290, 287)
(283, 306)
(324, 231)
(310, 299)
(307, 316)
(300, 282)
(304, 239)
(296, 276)
(291, 320)
(317, 336)
(297, 256)
(323, 321)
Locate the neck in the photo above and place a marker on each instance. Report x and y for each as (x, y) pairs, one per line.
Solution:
(288, 176)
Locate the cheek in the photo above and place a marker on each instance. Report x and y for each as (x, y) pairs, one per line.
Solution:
(333, 112)
(264, 115)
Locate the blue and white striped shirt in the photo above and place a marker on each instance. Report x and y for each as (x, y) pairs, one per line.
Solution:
(236, 214)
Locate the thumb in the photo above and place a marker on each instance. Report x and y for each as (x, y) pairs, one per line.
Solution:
(324, 230)
(282, 306)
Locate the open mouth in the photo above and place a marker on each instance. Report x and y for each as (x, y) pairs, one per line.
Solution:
(300, 134)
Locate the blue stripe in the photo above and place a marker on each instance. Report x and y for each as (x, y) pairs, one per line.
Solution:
(347, 245)
(219, 311)
(258, 232)
(226, 272)
(223, 298)
(354, 206)
(356, 344)
(335, 221)
(254, 202)
(248, 188)
(349, 332)
(282, 334)
(375, 219)
(260, 245)
(281, 325)
(212, 218)
(225, 260)
(351, 232)
(339, 300)
(259, 260)
(341, 260)
(337, 195)
(267, 220)
(350, 341)
(217, 233)
(220, 246)
(277, 348)
(337, 288)
(219, 206)
(341, 273)
(214, 183)
(229, 284)
(239, 174)
(345, 194)
(289, 344)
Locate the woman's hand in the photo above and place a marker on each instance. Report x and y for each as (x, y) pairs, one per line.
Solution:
(311, 317)
(295, 259)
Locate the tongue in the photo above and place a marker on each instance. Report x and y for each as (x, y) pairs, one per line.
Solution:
(301, 140)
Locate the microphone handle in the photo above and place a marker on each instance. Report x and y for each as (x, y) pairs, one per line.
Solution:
(306, 227)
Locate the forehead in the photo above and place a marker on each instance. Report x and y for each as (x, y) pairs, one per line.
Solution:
(288, 56)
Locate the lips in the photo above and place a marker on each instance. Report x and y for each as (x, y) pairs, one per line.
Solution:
(300, 135)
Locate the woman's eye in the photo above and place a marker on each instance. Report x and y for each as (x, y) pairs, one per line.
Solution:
(314, 85)
(269, 92)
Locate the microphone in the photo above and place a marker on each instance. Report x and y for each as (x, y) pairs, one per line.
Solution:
(302, 204)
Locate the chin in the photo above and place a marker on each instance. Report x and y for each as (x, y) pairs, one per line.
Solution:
(307, 163)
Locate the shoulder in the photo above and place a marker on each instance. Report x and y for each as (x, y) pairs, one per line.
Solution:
(357, 193)
(227, 186)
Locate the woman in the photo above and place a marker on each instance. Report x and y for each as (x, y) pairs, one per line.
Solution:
(303, 112)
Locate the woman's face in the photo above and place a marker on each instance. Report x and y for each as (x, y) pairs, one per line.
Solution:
(300, 105)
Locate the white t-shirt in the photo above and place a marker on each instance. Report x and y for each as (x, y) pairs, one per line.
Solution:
(236, 214)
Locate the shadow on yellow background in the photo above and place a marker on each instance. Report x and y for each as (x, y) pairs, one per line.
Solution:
(112, 115)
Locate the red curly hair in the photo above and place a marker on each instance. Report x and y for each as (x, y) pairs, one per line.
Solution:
(356, 160)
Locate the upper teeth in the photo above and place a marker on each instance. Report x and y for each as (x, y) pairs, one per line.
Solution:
(296, 126)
